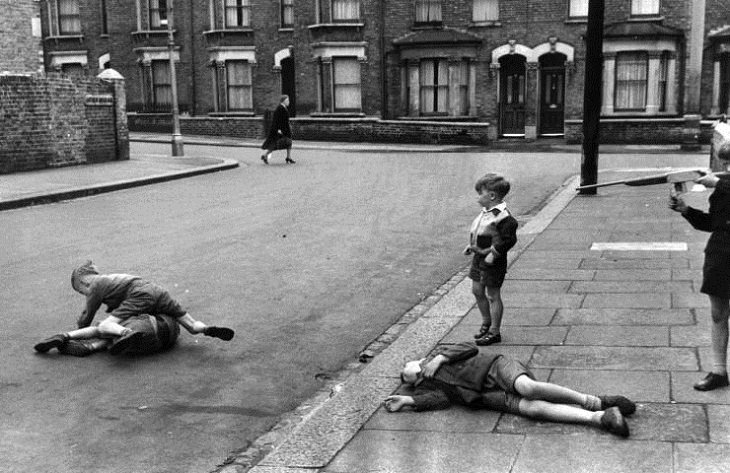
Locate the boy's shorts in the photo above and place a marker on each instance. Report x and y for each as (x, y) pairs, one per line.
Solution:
(499, 386)
(488, 275)
(159, 332)
(148, 298)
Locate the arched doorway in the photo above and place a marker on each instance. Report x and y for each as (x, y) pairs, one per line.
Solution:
(288, 83)
(552, 94)
(512, 95)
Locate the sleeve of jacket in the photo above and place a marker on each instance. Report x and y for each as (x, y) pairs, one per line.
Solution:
(507, 229)
(458, 351)
(426, 398)
(698, 219)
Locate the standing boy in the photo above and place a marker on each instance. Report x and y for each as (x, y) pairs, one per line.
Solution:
(125, 296)
(493, 233)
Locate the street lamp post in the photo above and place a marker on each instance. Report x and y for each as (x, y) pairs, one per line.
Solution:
(177, 140)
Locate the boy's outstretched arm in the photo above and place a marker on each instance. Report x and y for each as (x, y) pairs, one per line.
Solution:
(92, 305)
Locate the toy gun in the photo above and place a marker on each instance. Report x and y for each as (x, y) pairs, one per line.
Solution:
(678, 180)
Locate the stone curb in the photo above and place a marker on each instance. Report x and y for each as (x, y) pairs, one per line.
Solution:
(331, 419)
(84, 191)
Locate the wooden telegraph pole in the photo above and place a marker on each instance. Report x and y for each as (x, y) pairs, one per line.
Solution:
(592, 95)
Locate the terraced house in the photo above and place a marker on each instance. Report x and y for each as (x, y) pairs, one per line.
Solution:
(406, 70)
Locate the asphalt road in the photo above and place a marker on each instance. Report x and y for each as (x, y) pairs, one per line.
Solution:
(308, 263)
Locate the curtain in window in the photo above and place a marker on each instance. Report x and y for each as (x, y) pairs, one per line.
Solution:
(725, 84)
(287, 12)
(161, 85)
(485, 10)
(631, 74)
(238, 13)
(463, 88)
(69, 16)
(238, 78)
(644, 7)
(434, 78)
(428, 10)
(158, 13)
(347, 84)
(578, 8)
(345, 10)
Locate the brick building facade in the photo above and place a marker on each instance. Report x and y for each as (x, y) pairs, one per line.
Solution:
(20, 36)
(507, 68)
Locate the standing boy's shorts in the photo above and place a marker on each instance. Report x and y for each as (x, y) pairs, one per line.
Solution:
(488, 275)
(499, 386)
(716, 270)
(148, 298)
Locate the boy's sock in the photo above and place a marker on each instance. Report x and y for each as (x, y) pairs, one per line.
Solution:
(591, 403)
(224, 333)
(51, 342)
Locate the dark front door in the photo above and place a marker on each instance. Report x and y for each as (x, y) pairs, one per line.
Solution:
(512, 95)
(288, 84)
(552, 94)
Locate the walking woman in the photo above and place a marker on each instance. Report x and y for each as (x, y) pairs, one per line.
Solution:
(279, 132)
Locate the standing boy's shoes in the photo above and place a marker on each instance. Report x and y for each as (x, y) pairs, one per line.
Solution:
(264, 159)
(710, 382)
(614, 422)
(55, 341)
(483, 330)
(489, 339)
(124, 342)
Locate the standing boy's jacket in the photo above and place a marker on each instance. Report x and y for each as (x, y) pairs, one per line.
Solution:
(461, 380)
(716, 220)
(496, 229)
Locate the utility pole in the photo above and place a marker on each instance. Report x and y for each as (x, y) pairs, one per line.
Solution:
(592, 96)
(177, 140)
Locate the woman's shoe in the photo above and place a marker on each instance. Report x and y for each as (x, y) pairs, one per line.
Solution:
(290, 161)
(264, 159)
(712, 381)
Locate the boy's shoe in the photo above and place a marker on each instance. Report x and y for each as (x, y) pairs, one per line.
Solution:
(624, 404)
(264, 159)
(75, 348)
(483, 330)
(51, 342)
(290, 161)
(224, 333)
(614, 422)
(489, 339)
(712, 381)
(124, 342)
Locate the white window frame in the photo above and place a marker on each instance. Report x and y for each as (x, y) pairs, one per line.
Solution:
(246, 87)
(286, 11)
(485, 11)
(578, 9)
(351, 6)
(645, 7)
(54, 19)
(432, 7)
(346, 85)
(242, 9)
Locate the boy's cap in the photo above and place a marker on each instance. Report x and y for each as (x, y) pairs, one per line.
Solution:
(84, 270)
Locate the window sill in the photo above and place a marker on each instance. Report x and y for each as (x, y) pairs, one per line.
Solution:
(482, 24)
(645, 18)
(577, 20)
(241, 113)
(286, 29)
(225, 31)
(337, 114)
(336, 25)
(148, 33)
(65, 37)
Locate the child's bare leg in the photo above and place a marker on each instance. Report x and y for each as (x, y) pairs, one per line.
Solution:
(480, 295)
(110, 327)
(496, 308)
(538, 390)
(610, 420)
(195, 326)
(720, 309)
(82, 333)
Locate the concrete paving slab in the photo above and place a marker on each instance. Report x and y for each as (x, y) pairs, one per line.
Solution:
(537, 316)
(669, 423)
(454, 419)
(633, 274)
(636, 255)
(719, 417)
(544, 299)
(333, 424)
(554, 264)
(639, 386)
(419, 452)
(690, 300)
(623, 317)
(512, 335)
(701, 458)
(523, 353)
(605, 287)
(455, 303)
(637, 300)
(551, 254)
(627, 263)
(620, 335)
(519, 425)
(691, 336)
(518, 286)
(563, 242)
(706, 359)
(551, 274)
(616, 358)
(682, 390)
(581, 454)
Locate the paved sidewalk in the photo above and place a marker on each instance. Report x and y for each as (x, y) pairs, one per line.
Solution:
(579, 313)
(52, 185)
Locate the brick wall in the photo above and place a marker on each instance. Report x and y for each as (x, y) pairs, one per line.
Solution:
(324, 129)
(639, 131)
(55, 120)
(18, 47)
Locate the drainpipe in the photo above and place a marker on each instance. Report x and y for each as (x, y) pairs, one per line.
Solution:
(383, 73)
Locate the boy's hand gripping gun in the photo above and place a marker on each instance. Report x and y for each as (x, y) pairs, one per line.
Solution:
(678, 181)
